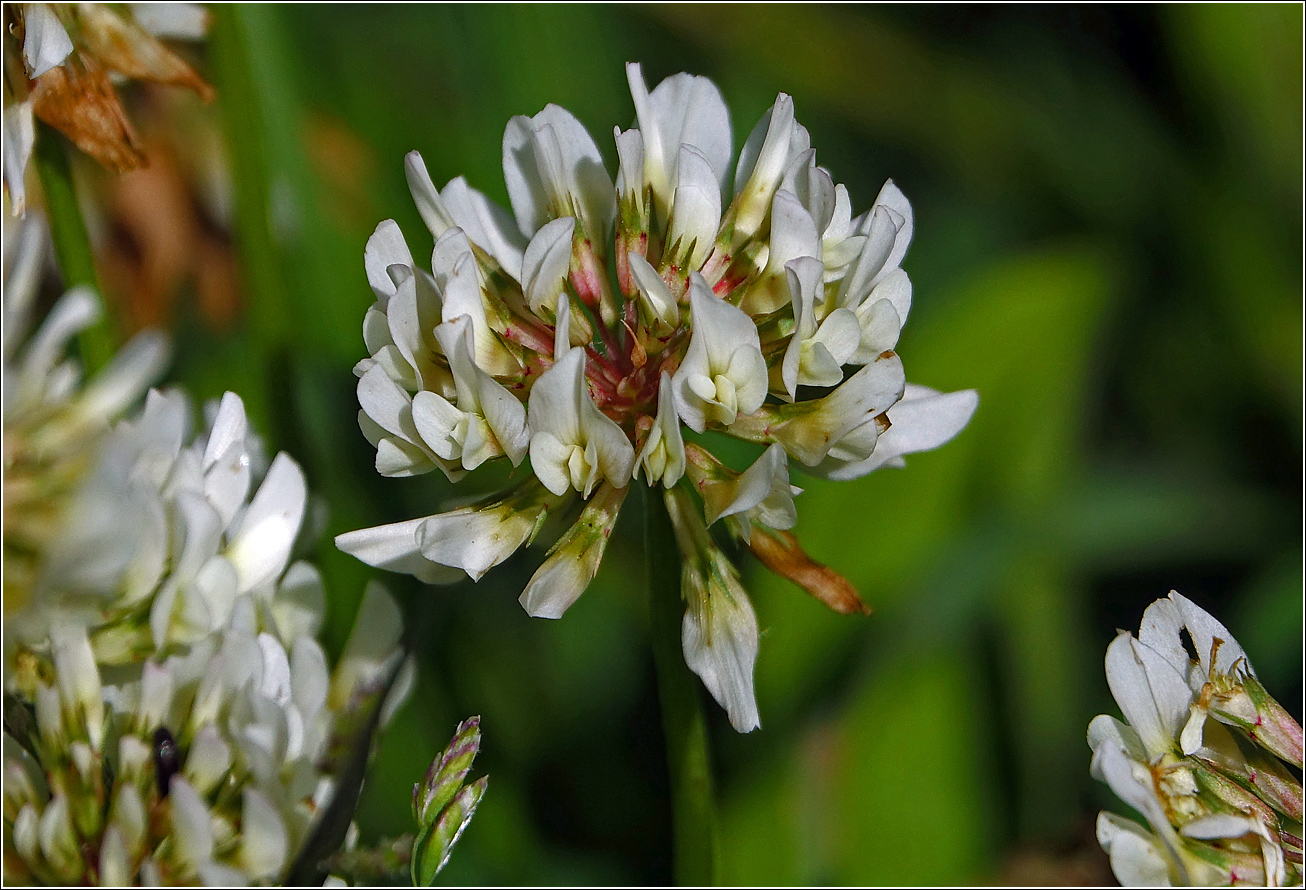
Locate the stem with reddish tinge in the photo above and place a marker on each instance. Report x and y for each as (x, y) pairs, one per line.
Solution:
(680, 694)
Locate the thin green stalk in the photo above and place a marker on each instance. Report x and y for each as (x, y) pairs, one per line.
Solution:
(242, 99)
(72, 246)
(679, 691)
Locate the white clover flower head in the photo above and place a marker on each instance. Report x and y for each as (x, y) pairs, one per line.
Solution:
(54, 423)
(619, 312)
(207, 767)
(168, 532)
(1202, 755)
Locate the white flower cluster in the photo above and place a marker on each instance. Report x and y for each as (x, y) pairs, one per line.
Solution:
(207, 767)
(595, 321)
(1202, 756)
(54, 424)
(163, 537)
(170, 716)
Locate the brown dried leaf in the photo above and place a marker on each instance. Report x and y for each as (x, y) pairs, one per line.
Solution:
(129, 49)
(80, 102)
(780, 552)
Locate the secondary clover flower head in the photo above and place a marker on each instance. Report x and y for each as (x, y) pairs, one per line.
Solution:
(54, 422)
(168, 531)
(603, 317)
(1203, 755)
(209, 766)
(62, 60)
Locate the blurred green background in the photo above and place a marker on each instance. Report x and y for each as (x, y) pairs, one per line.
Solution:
(1108, 247)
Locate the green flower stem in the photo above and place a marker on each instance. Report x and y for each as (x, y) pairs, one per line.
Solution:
(72, 246)
(692, 805)
(243, 91)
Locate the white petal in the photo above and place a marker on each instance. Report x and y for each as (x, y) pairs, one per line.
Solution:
(554, 404)
(682, 110)
(263, 839)
(546, 264)
(720, 333)
(630, 164)
(486, 223)
(74, 311)
(156, 696)
(860, 279)
(655, 296)
(397, 457)
(574, 560)
(474, 540)
(549, 461)
(663, 454)
(896, 288)
(19, 140)
(309, 675)
(436, 216)
(1217, 826)
(839, 333)
(457, 274)
(506, 416)
(813, 187)
(392, 547)
(1205, 631)
(1132, 782)
(1153, 697)
(386, 404)
(261, 546)
(804, 279)
(793, 235)
(192, 829)
(808, 430)
(921, 421)
(299, 606)
(228, 429)
(553, 168)
(179, 21)
(1105, 729)
(615, 453)
(1136, 856)
(385, 248)
(411, 314)
(890, 196)
(215, 874)
(372, 642)
(437, 422)
(771, 147)
(1160, 630)
(45, 42)
(720, 645)
(129, 373)
(78, 677)
(115, 862)
(769, 474)
(274, 680)
(879, 326)
(696, 208)
(208, 760)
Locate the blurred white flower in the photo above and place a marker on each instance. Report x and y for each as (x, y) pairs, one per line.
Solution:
(763, 310)
(168, 531)
(213, 766)
(54, 424)
(1200, 756)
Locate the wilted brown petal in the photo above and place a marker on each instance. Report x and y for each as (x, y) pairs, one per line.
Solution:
(780, 552)
(127, 48)
(80, 102)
